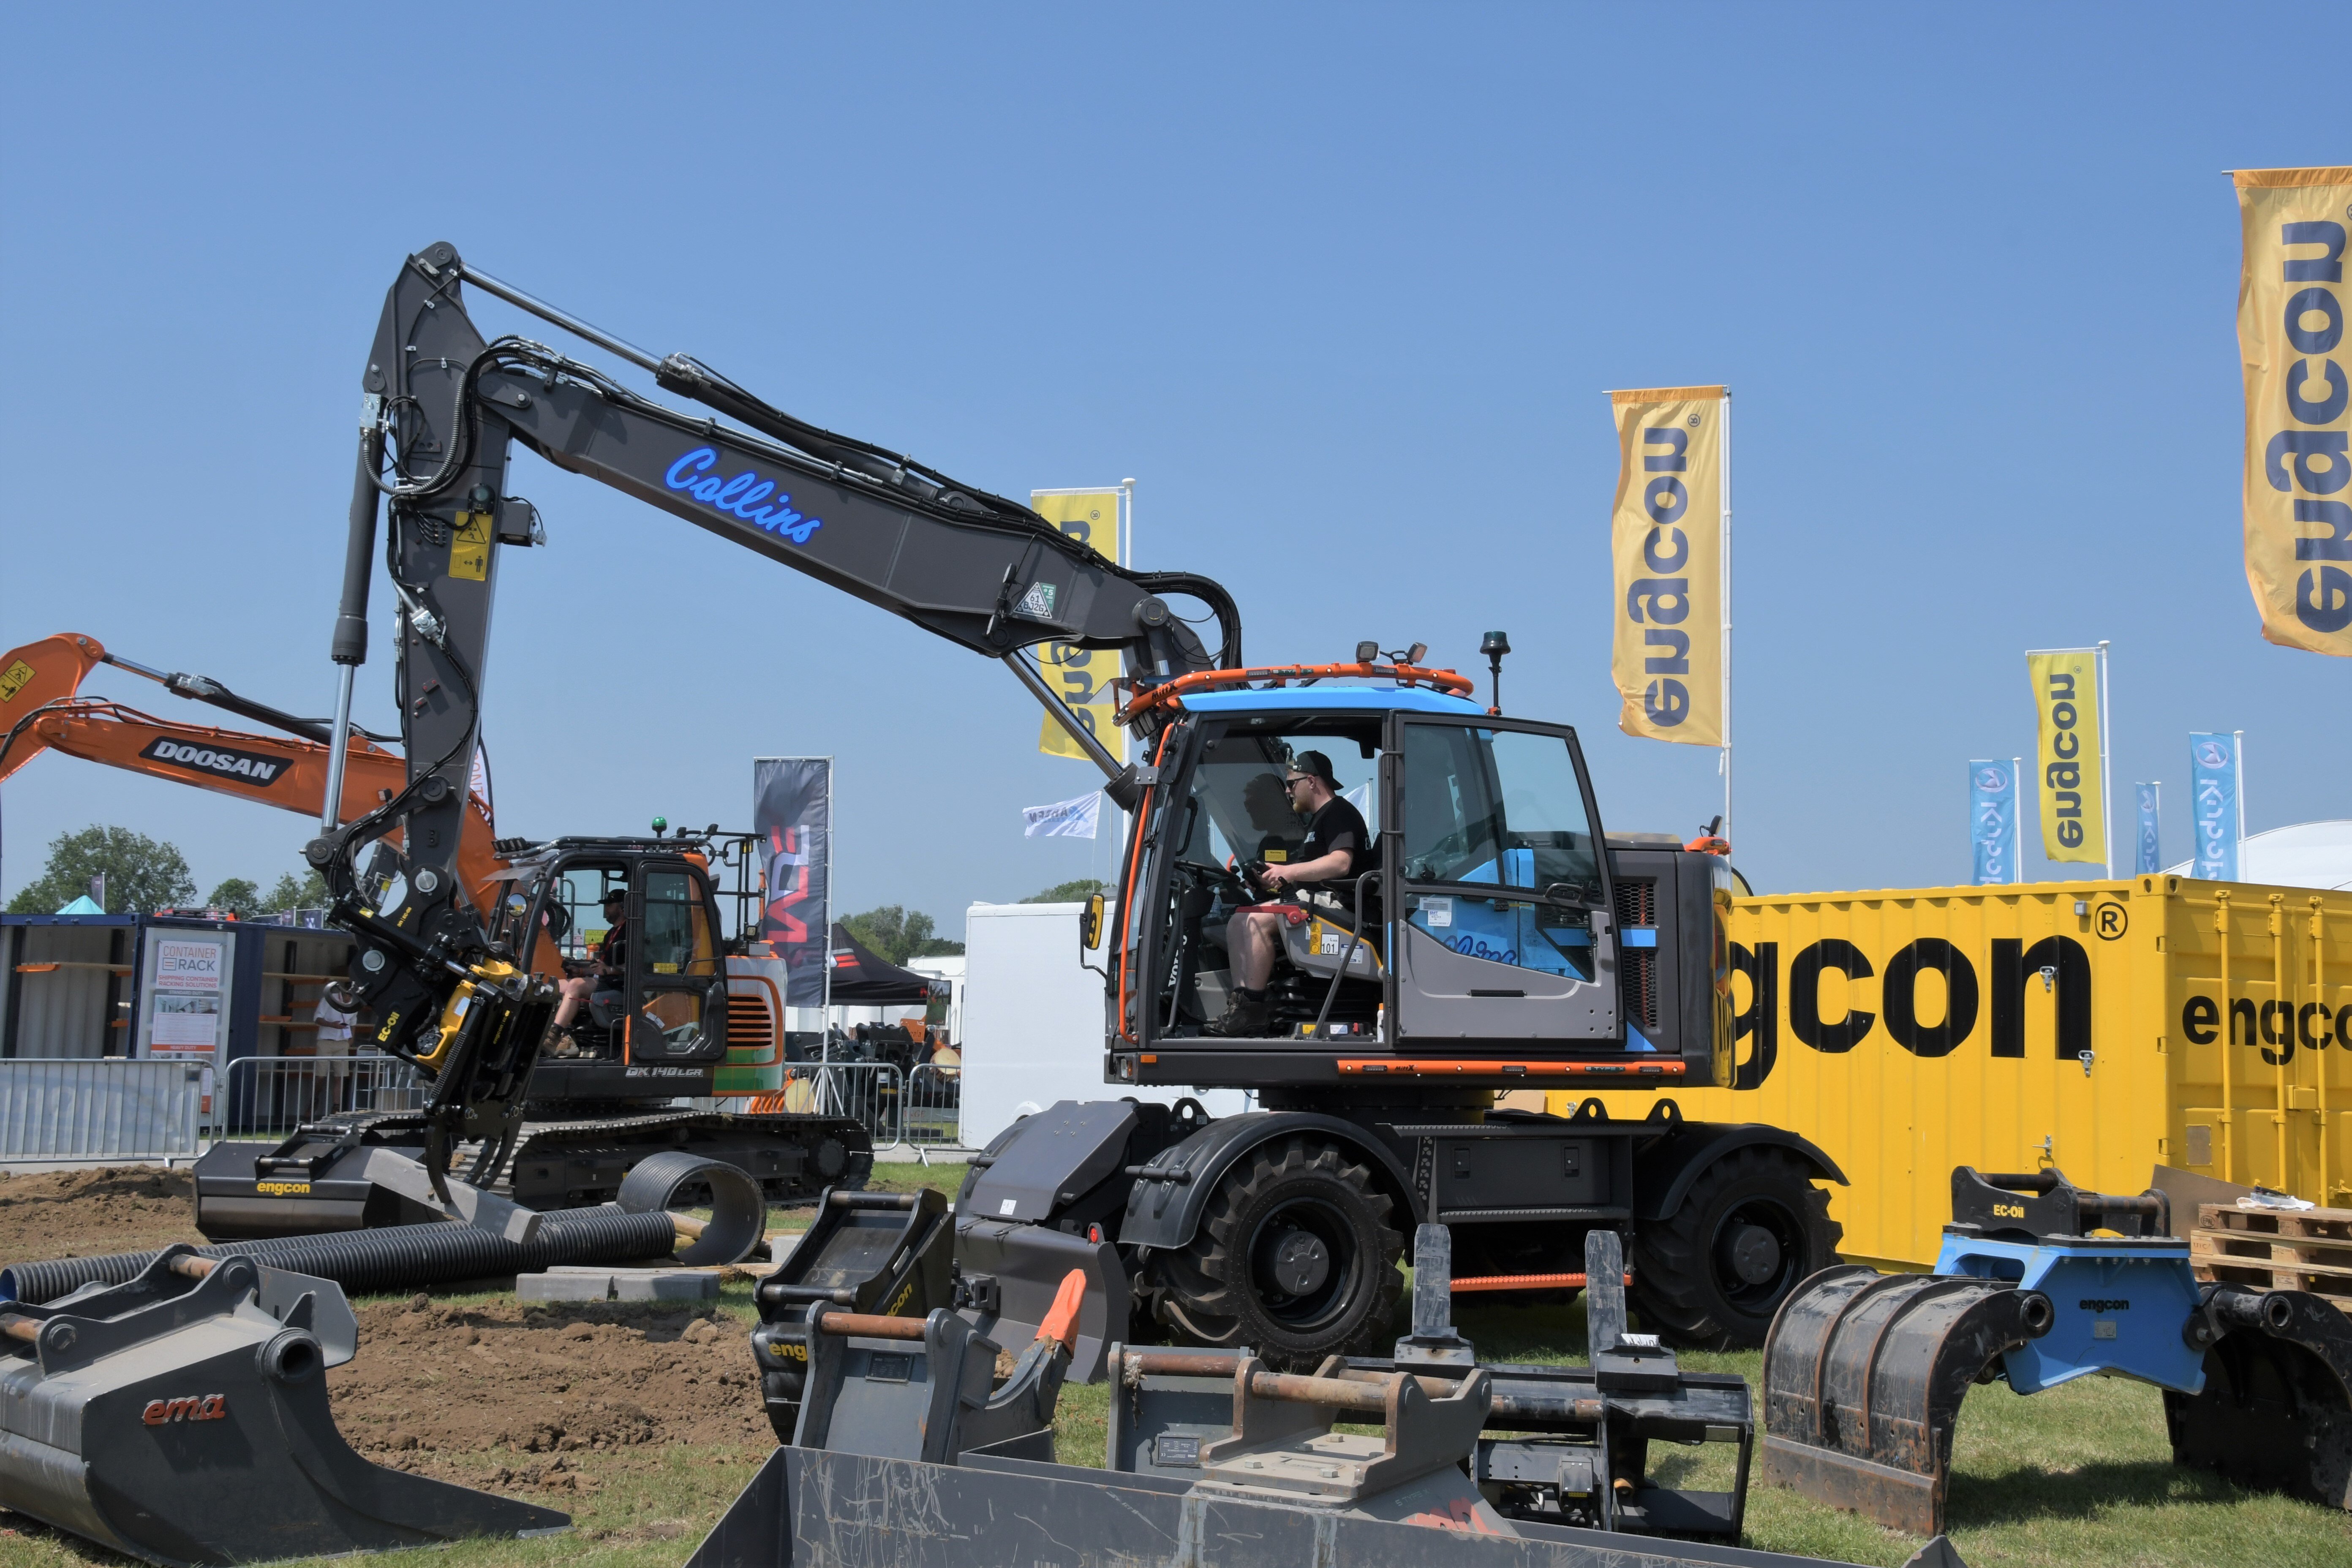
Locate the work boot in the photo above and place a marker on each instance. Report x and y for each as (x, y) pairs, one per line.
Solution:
(1244, 1016)
(565, 1046)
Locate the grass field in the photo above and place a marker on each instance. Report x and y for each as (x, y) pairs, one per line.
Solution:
(2081, 1475)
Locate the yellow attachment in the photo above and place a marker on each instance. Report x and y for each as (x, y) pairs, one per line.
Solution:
(461, 1001)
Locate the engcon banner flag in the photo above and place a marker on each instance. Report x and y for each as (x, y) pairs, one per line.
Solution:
(2291, 308)
(2066, 753)
(1083, 676)
(1665, 537)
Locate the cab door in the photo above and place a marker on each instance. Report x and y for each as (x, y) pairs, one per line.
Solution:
(677, 984)
(1504, 930)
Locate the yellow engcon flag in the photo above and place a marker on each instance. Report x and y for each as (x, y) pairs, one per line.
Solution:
(1666, 539)
(2066, 753)
(1082, 675)
(2291, 308)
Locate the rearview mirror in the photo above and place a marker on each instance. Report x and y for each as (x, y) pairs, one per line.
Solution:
(1090, 924)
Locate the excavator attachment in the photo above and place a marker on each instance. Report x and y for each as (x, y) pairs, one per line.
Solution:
(910, 1450)
(182, 1418)
(1863, 1375)
(1864, 1372)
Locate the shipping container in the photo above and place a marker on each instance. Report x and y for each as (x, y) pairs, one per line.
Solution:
(2106, 1028)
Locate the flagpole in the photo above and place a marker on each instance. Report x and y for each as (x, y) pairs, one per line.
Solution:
(2238, 764)
(2107, 771)
(1726, 614)
(2016, 820)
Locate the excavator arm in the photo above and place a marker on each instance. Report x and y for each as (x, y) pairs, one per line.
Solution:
(442, 407)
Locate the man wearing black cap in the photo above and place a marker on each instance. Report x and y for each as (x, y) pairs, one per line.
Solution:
(1338, 846)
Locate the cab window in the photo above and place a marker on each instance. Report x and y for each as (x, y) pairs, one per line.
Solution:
(1500, 807)
(677, 938)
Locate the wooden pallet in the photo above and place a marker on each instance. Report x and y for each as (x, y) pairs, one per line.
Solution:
(2276, 1249)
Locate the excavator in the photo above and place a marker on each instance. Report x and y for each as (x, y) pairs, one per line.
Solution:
(588, 1116)
(1505, 941)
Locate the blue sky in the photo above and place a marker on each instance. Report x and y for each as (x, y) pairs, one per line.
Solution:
(1341, 289)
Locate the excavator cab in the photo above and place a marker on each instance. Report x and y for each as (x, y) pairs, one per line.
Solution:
(667, 1009)
(1487, 922)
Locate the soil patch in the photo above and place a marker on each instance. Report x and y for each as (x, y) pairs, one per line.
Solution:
(443, 1389)
(85, 1214)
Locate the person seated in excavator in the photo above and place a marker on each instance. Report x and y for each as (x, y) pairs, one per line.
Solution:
(1338, 845)
(608, 972)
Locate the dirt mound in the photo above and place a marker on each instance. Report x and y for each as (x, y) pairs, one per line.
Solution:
(81, 1213)
(437, 1388)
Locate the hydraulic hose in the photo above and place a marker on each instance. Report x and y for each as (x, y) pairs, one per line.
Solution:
(395, 1258)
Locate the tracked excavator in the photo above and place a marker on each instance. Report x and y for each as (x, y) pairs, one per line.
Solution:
(590, 1116)
(1502, 939)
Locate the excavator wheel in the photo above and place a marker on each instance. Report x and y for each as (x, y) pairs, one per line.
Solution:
(1752, 1228)
(1296, 1257)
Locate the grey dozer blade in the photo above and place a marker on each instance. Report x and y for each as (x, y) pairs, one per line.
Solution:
(183, 1419)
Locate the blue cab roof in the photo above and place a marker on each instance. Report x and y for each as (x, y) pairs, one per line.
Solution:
(1330, 699)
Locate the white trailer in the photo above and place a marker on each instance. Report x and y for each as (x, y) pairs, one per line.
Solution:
(1033, 1021)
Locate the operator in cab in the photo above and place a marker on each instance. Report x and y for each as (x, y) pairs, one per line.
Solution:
(1338, 846)
(605, 972)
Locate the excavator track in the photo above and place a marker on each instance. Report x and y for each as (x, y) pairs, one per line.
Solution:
(570, 1163)
(566, 1164)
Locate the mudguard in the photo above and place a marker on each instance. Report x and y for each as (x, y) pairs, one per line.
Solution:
(1665, 1172)
(1165, 1205)
(1048, 1162)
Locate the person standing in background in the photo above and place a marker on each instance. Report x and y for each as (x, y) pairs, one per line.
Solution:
(333, 1052)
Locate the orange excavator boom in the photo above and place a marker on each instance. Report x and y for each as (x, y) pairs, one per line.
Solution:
(40, 710)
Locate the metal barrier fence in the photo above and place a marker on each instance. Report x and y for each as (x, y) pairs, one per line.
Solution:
(99, 1109)
(931, 1107)
(278, 1094)
(866, 1091)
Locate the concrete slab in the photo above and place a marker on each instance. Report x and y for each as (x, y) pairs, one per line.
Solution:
(584, 1284)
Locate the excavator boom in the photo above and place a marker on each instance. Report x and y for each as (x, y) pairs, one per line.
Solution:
(444, 406)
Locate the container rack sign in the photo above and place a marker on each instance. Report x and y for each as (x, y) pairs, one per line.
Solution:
(187, 976)
(2298, 461)
(1082, 677)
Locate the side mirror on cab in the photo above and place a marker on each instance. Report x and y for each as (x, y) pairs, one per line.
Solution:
(1090, 924)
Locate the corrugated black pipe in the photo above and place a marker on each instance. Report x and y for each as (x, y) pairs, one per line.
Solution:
(395, 1258)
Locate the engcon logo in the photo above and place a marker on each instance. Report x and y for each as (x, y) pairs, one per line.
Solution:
(254, 767)
(282, 1189)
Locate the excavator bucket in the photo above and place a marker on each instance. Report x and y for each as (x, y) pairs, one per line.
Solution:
(2276, 1412)
(1863, 1375)
(2038, 1283)
(182, 1418)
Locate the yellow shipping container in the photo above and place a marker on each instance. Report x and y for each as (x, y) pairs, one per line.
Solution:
(2103, 1027)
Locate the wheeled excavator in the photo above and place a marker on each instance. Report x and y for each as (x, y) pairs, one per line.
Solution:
(590, 1115)
(1503, 940)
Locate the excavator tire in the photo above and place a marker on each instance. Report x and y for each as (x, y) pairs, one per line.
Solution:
(1296, 1257)
(1752, 1228)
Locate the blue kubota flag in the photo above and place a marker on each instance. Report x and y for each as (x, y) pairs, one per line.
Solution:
(2151, 847)
(2216, 805)
(1992, 820)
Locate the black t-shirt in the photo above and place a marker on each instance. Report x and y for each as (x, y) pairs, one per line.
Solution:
(1337, 827)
